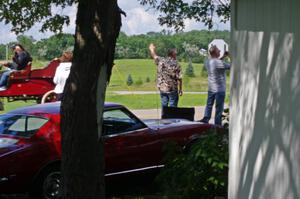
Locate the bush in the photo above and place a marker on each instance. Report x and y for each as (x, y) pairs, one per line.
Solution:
(198, 59)
(190, 70)
(147, 79)
(199, 172)
(129, 81)
(139, 82)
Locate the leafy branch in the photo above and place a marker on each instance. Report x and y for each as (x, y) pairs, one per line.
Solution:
(174, 12)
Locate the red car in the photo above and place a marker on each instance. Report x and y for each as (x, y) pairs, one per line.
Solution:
(30, 148)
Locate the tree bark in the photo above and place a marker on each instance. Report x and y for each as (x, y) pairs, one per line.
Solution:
(97, 27)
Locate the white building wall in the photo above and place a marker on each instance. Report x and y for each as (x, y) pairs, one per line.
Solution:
(265, 100)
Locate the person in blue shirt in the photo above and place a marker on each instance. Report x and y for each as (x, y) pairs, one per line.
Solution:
(216, 70)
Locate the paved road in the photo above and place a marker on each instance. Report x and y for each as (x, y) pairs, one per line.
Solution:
(156, 113)
(148, 92)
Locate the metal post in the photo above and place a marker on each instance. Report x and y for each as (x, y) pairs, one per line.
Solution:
(6, 52)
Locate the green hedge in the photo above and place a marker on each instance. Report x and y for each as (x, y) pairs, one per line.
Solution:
(198, 172)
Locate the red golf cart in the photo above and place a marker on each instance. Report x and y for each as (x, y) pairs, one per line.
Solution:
(30, 84)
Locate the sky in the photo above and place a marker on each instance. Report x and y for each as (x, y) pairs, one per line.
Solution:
(139, 20)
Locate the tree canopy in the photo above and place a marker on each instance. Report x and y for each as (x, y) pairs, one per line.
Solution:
(187, 44)
(23, 14)
(174, 12)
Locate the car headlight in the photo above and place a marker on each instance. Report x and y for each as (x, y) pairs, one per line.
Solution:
(5, 142)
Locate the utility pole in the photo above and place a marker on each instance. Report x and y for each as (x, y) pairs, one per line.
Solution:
(6, 52)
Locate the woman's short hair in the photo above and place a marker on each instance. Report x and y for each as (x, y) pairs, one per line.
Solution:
(67, 56)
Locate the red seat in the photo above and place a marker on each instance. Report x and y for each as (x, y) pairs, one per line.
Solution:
(47, 72)
(21, 74)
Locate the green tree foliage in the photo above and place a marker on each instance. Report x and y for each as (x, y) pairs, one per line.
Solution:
(129, 81)
(174, 12)
(2, 51)
(135, 46)
(44, 49)
(23, 14)
(190, 70)
(198, 172)
(187, 44)
(147, 79)
(27, 42)
(47, 49)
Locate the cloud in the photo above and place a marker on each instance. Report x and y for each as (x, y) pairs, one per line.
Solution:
(139, 20)
(191, 24)
(128, 4)
(5, 34)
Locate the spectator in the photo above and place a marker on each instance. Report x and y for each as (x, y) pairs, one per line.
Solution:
(169, 77)
(20, 60)
(62, 73)
(216, 84)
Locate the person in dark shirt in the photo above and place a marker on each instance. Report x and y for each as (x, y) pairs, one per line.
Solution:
(20, 61)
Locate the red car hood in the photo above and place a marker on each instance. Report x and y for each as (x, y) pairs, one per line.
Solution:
(169, 123)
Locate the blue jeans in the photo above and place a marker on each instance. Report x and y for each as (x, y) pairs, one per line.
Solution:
(4, 77)
(211, 97)
(169, 99)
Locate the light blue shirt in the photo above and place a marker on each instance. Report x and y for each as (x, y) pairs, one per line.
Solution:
(216, 70)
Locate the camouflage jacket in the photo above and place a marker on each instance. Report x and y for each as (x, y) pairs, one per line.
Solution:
(168, 74)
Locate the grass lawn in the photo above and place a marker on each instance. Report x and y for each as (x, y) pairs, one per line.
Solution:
(140, 69)
(9, 106)
(152, 101)
(148, 101)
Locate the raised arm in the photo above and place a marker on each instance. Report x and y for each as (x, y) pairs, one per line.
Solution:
(226, 64)
(152, 51)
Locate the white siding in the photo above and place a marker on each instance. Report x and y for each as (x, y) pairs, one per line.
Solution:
(265, 100)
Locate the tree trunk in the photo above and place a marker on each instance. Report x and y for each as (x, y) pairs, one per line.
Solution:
(97, 27)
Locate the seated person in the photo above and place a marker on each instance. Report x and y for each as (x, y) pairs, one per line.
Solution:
(20, 60)
(62, 73)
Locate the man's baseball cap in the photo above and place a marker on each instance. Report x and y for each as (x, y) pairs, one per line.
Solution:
(13, 46)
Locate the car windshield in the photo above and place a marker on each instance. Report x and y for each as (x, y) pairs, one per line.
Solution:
(20, 125)
(116, 121)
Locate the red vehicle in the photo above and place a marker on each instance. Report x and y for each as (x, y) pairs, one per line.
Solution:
(30, 84)
(30, 148)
